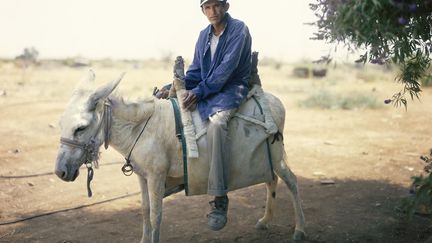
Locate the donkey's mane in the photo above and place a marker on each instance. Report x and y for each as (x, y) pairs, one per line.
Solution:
(128, 117)
(133, 111)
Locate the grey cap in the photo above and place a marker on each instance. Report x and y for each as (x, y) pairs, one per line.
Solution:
(204, 1)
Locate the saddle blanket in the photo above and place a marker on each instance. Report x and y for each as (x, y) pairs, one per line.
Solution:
(250, 161)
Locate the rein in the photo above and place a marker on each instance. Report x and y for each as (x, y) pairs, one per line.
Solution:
(91, 148)
(127, 167)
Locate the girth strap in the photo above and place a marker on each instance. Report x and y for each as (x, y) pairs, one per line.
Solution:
(181, 137)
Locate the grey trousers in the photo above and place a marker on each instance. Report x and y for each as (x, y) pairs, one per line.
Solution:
(218, 143)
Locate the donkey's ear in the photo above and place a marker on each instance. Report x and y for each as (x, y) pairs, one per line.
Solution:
(87, 81)
(103, 92)
(90, 76)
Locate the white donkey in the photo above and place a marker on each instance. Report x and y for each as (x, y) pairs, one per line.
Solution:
(93, 117)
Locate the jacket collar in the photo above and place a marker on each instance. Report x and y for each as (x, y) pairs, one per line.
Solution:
(228, 20)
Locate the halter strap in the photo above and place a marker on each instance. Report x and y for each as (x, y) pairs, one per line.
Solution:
(72, 143)
(108, 122)
(91, 148)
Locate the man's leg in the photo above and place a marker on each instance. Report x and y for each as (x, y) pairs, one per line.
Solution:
(218, 149)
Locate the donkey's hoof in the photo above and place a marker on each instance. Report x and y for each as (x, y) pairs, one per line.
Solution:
(261, 226)
(299, 235)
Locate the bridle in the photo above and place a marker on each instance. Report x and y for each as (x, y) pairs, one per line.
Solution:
(91, 148)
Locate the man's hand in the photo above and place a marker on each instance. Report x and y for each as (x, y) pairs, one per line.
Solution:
(190, 101)
(162, 93)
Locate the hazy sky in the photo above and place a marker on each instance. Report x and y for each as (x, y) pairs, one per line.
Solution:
(144, 28)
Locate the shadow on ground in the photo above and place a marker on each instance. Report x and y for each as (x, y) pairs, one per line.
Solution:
(347, 211)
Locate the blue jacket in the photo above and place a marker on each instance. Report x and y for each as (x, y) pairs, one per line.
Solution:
(221, 84)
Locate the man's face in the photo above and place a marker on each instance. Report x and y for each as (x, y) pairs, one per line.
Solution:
(215, 11)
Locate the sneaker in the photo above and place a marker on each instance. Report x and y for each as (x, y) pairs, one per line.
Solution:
(217, 218)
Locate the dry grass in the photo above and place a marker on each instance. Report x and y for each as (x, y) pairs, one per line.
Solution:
(371, 154)
(345, 86)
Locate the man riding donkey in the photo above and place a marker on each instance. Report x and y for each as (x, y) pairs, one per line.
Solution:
(216, 84)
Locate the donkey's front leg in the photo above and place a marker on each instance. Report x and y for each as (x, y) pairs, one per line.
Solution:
(146, 237)
(156, 185)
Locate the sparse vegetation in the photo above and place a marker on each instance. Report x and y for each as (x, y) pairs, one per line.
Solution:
(328, 100)
(28, 57)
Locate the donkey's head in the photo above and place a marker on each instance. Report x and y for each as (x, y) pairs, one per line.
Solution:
(81, 127)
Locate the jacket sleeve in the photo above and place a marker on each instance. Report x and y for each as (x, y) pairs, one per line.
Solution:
(230, 61)
(193, 74)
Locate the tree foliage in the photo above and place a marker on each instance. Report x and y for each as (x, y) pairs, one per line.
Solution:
(391, 31)
(421, 200)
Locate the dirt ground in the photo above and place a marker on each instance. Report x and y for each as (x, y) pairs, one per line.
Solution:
(370, 154)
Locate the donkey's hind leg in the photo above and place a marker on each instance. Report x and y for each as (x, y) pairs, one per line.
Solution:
(271, 195)
(290, 180)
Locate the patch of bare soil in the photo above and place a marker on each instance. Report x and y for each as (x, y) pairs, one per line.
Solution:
(369, 154)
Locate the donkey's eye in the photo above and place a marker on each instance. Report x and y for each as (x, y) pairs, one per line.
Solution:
(79, 130)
